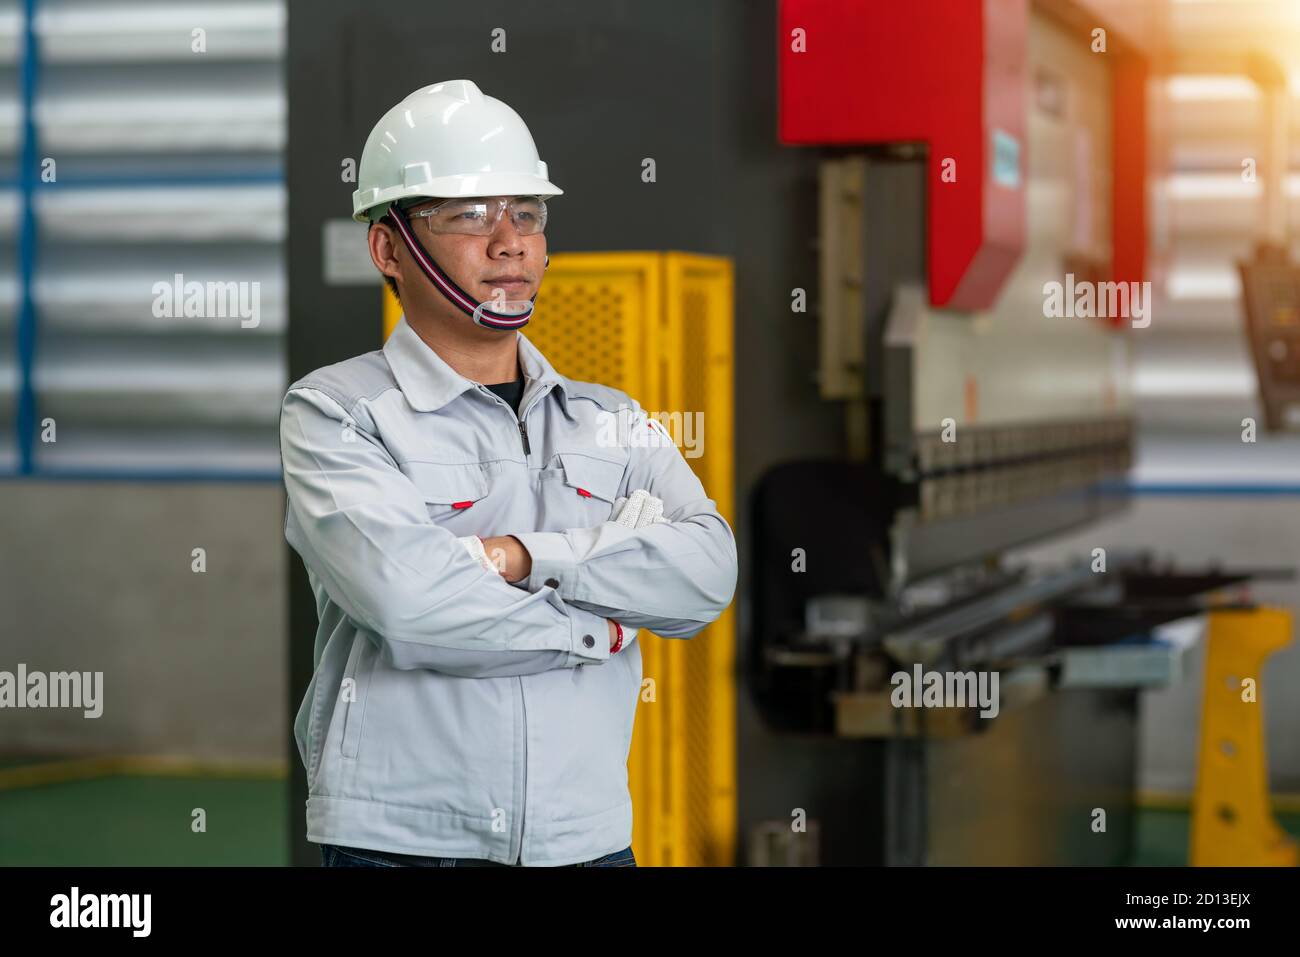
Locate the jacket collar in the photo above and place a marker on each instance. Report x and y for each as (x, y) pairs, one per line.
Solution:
(429, 383)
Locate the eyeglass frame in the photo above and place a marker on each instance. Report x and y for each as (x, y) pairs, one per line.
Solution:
(502, 202)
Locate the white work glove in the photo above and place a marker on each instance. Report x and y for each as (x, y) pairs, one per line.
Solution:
(638, 510)
(474, 545)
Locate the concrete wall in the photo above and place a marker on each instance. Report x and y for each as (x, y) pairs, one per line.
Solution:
(97, 577)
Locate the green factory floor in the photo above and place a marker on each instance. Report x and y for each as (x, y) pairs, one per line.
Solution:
(1162, 836)
(133, 819)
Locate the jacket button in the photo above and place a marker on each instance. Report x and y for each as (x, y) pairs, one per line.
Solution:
(588, 640)
(552, 583)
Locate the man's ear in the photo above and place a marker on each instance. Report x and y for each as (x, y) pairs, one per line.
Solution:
(383, 250)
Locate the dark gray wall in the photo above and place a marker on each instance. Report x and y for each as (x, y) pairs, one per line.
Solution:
(601, 85)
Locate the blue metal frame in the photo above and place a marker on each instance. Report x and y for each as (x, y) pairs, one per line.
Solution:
(25, 419)
(1240, 490)
(27, 183)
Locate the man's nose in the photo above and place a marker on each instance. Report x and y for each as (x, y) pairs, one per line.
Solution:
(505, 238)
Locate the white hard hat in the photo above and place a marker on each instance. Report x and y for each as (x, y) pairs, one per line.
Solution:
(448, 139)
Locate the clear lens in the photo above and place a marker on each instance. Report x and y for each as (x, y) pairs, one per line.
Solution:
(460, 216)
(478, 217)
(528, 214)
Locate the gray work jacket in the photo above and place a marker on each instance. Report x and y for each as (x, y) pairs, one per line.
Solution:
(452, 713)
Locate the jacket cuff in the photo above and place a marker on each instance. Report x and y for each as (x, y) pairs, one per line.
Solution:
(590, 637)
(554, 565)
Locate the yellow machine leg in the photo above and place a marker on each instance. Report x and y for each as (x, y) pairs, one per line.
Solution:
(1232, 823)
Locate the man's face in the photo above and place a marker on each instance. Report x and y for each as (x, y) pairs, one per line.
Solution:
(503, 265)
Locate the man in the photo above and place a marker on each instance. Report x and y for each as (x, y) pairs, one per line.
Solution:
(481, 552)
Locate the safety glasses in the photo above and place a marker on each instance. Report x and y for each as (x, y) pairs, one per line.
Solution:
(478, 216)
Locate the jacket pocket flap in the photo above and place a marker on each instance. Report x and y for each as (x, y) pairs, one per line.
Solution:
(447, 484)
(589, 474)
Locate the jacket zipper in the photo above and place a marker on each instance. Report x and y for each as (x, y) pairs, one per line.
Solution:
(519, 417)
(523, 709)
(523, 429)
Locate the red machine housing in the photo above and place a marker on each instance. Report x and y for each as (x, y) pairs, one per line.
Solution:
(947, 73)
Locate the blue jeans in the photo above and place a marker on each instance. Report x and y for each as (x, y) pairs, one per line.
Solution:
(334, 856)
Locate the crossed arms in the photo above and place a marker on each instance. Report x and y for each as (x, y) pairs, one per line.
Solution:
(362, 528)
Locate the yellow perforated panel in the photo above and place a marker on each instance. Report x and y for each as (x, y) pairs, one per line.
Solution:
(592, 315)
(698, 331)
(659, 327)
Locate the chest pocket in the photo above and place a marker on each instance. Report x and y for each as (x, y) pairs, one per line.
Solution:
(449, 489)
(590, 477)
(579, 490)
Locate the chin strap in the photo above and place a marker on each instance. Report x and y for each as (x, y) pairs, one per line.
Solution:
(459, 298)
